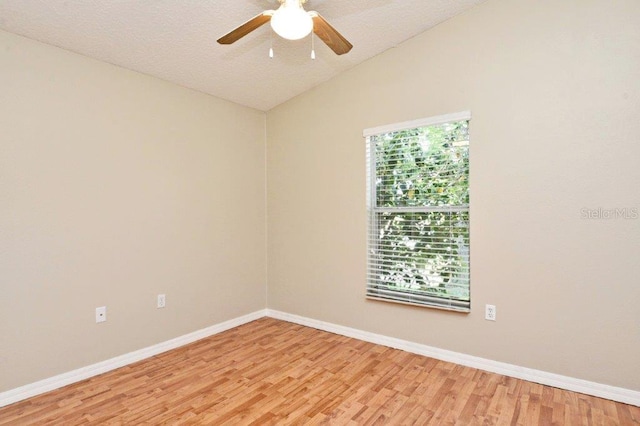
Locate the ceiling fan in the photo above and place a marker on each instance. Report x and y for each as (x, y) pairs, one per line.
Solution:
(292, 22)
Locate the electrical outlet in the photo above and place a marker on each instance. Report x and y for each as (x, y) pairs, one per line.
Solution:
(490, 312)
(101, 314)
(162, 301)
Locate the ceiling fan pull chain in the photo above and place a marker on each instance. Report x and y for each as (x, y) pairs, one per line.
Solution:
(313, 50)
(271, 44)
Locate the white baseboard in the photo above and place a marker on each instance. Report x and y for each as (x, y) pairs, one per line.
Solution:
(55, 382)
(613, 393)
(626, 396)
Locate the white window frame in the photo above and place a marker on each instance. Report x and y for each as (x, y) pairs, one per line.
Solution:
(395, 295)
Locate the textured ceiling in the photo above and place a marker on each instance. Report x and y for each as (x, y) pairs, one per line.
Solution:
(176, 39)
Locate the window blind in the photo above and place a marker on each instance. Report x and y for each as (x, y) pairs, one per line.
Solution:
(418, 212)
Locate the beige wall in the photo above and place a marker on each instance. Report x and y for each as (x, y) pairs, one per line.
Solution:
(553, 87)
(115, 187)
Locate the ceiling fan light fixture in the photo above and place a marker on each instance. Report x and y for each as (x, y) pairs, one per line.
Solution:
(291, 21)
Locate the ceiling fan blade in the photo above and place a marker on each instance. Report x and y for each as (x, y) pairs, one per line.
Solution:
(330, 35)
(244, 29)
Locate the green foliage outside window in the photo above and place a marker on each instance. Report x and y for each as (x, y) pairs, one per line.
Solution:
(421, 214)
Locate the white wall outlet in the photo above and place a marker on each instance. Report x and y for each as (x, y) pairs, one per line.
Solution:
(162, 301)
(490, 312)
(101, 314)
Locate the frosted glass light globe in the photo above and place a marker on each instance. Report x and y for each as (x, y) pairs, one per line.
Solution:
(291, 21)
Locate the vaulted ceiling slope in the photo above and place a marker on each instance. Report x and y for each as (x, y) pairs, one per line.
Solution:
(176, 40)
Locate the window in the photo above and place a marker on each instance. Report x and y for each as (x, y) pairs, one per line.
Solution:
(418, 207)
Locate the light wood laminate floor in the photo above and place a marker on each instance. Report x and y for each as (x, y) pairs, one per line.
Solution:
(274, 372)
